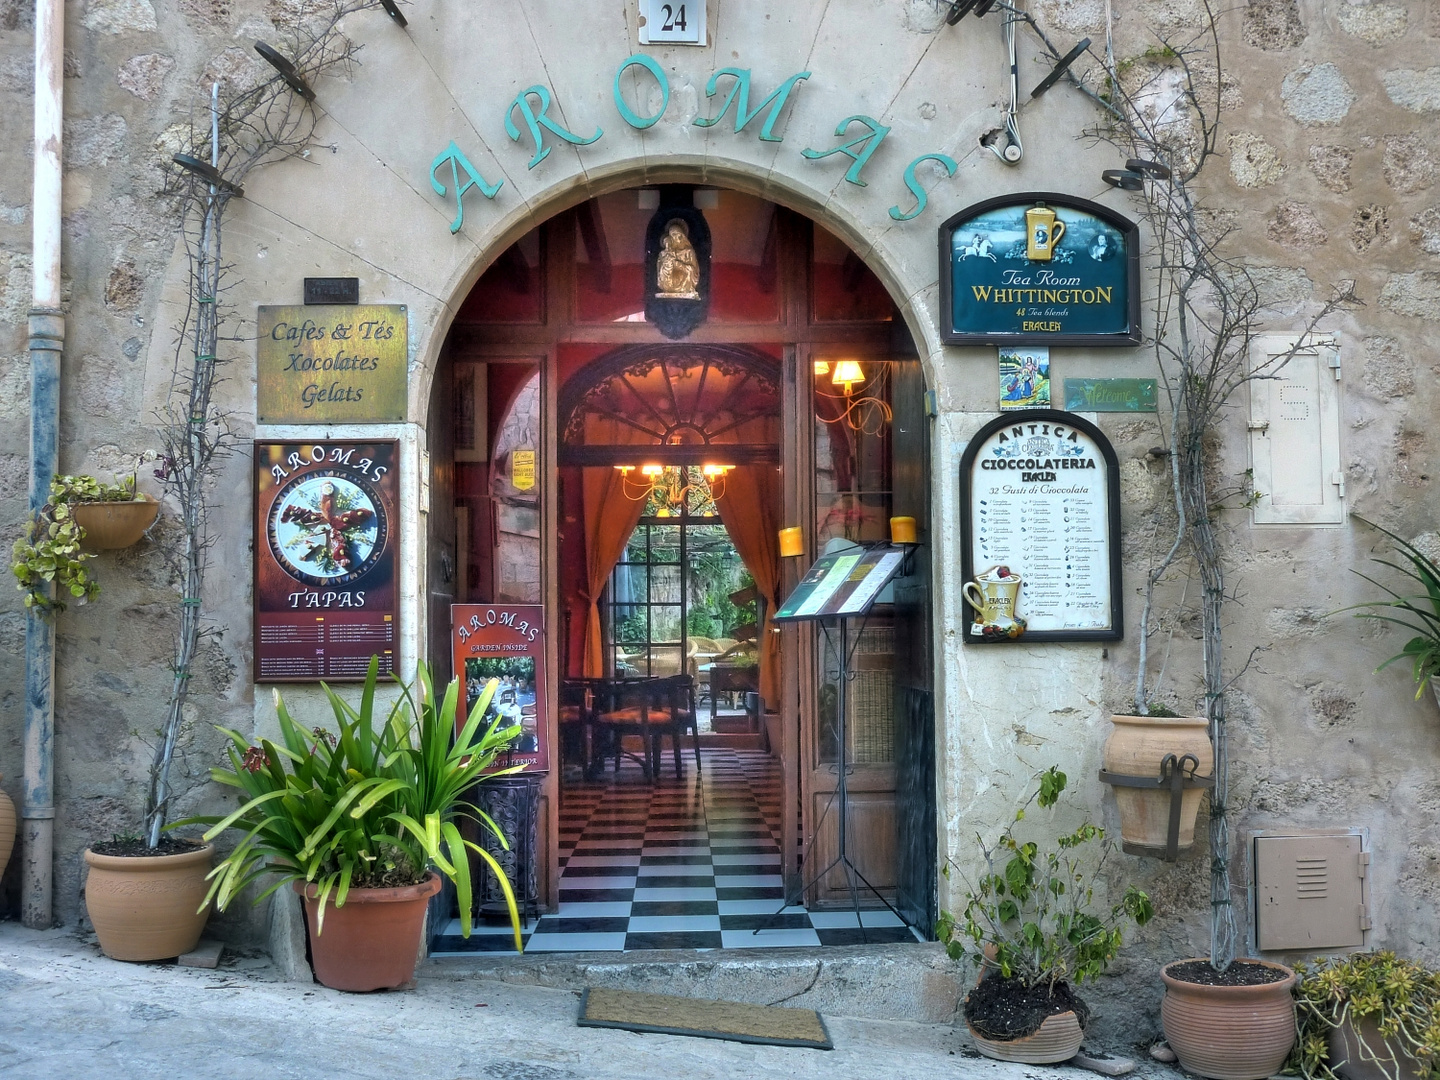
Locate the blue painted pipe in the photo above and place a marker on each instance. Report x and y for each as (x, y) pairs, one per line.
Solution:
(47, 342)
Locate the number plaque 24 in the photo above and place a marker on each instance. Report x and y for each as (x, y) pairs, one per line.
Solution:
(675, 22)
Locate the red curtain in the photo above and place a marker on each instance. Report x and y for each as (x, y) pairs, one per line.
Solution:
(750, 508)
(610, 518)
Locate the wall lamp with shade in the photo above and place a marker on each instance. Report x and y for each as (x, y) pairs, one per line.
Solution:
(861, 411)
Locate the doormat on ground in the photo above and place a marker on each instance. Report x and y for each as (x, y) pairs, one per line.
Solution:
(661, 1014)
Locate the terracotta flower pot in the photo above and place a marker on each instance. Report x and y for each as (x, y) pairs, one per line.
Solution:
(1229, 1032)
(1058, 1039)
(110, 525)
(1136, 747)
(7, 829)
(148, 908)
(373, 940)
(1377, 1059)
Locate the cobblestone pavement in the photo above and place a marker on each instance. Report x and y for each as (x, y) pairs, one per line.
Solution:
(67, 1012)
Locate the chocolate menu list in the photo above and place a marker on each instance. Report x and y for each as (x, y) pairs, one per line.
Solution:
(1039, 505)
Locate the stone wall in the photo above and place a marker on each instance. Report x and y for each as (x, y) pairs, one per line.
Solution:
(1332, 145)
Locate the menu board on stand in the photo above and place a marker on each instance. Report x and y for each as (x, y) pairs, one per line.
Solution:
(1040, 501)
(327, 533)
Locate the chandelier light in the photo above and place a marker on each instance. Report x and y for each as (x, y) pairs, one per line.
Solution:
(668, 484)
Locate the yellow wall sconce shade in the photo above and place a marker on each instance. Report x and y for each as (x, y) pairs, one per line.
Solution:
(792, 543)
(847, 374)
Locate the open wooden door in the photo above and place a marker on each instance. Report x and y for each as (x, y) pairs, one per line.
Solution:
(853, 469)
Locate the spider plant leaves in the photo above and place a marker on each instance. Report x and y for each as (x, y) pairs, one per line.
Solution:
(362, 803)
(1417, 612)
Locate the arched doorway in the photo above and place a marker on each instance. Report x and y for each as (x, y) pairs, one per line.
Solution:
(797, 400)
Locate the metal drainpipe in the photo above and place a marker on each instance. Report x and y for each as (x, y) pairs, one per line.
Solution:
(47, 341)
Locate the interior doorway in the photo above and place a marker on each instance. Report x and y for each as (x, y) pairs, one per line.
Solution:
(629, 472)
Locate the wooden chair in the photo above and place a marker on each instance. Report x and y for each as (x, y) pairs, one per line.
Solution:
(681, 716)
(577, 712)
(651, 709)
(623, 707)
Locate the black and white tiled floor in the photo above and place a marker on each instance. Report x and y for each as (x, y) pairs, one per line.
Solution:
(678, 864)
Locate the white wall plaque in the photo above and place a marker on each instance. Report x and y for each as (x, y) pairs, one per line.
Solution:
(672, 22)
(1039, 494)
(1295, 433)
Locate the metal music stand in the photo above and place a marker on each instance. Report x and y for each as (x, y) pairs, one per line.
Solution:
(854, 596)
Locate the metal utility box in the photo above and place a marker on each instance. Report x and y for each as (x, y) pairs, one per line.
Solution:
(1295, 433)
(1311, 889)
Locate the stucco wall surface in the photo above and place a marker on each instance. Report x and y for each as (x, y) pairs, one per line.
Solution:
(1329, 169)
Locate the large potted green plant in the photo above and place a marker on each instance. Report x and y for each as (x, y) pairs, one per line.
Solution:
(1417, 610)
(1031, 923)
(1368, 1016)
(363, 822)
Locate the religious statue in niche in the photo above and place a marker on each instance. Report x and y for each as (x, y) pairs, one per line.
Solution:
(677, 271)
(677, 265)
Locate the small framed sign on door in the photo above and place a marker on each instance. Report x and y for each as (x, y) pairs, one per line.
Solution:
(505, 642)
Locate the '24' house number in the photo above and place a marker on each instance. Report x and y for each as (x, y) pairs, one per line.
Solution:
(673, 23)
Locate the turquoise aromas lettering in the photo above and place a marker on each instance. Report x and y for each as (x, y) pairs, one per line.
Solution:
(858, 149)
(739, 96)
(534, 105)
(921, 196)
(626, 113)
(458, 161)
(535, 121)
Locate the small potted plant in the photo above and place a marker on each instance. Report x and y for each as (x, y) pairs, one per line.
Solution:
(83, 515)
(363, 822)
(1418, 612)
(1031, 923)
(1368, 1016)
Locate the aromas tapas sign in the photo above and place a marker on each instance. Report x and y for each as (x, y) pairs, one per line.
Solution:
(1040, 509)
(326, 540)
(505, 642)
(1040, 268)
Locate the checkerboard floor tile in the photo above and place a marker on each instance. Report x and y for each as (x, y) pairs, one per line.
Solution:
(692, 863)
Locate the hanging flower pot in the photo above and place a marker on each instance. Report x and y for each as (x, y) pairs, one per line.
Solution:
(1142, 757)
(110, 525)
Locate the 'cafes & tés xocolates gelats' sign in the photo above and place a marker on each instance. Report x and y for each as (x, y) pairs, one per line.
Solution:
(332, 364)
(327, 530)
(1039, 268)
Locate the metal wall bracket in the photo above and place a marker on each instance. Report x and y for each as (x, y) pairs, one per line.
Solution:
(1177, 775)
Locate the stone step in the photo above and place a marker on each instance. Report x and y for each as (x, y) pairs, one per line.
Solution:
(878, 982)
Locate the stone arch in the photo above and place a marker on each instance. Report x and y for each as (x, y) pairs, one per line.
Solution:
(817, 205)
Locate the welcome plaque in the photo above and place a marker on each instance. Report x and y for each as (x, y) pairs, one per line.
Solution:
(1039, 268)
(1040, 495)
(332, 364)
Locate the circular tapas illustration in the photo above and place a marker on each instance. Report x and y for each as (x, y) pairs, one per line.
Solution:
(326, 528)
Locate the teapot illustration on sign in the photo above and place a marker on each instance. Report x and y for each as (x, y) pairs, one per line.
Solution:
(993, 595)
(1042, 233)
